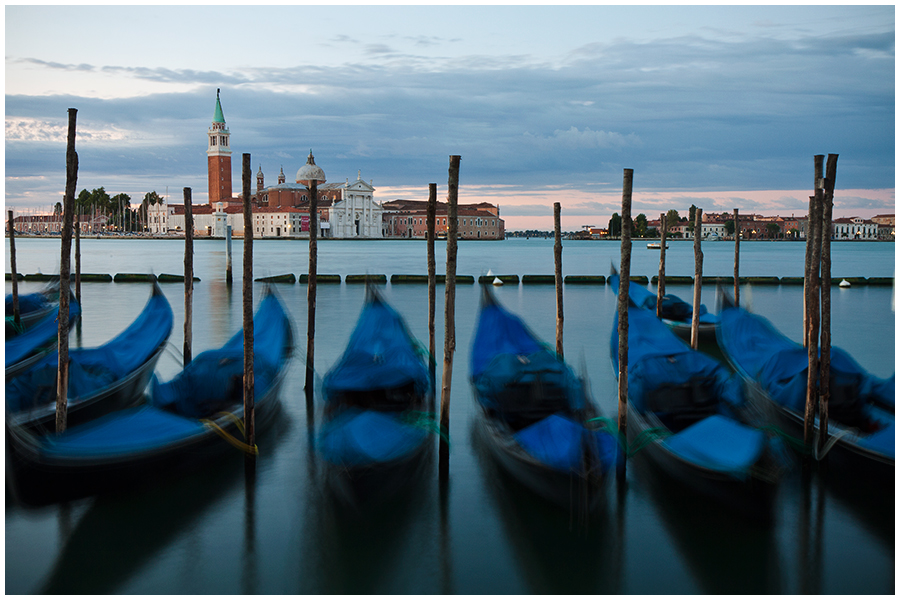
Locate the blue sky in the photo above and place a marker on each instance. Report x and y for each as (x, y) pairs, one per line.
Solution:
(719, 106)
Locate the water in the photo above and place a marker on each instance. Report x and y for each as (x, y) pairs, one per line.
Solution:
(216, 532)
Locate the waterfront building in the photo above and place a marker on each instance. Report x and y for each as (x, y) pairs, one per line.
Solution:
(407, 219)
(218, 153)
(854, 228)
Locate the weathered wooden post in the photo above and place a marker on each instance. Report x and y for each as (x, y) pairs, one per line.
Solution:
(12, 265)
(430, 218)
(77, 256)
(698, 278)
(622, 305)
(661, 284)
(825, 353)
(449, 316)
(811, 331)
(249, 381)
(810, 230)
(188, 274)
(737, 258)
(228, 275)
(557, 260)
(312, 175)
(65, 268)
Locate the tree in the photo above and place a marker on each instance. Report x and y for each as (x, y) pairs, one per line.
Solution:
(692, 216)
(615, 225)
(58, 209)
(729, 226)
(772, 230)
(640, 225)
(672, 218)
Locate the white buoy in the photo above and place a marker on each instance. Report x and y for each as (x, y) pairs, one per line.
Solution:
(844, 283)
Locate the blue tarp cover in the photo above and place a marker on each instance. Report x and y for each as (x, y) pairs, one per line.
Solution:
(555, 441)
(213, 380)
(719, 444)
(779, 364)
(27, 303)
(381, 354)
(678, 309)
(92, 369)
(362, 437)
(38, 336)
(172, 418)
(506, 352)
(656, 356)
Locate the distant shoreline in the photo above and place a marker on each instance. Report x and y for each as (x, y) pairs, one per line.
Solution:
(402, 239)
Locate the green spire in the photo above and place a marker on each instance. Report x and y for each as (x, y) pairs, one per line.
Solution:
(218, 117)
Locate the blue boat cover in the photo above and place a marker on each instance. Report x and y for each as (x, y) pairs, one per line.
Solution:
(555, 441)
(506, 352)
(123, 432)
(27, 303)
(780, 364)
(358, 437)
(38, 336)
(213, 380)
(673, 307)
(381, 354)
(719, 444)
(92, 369)
(656, 357)
(177, 406)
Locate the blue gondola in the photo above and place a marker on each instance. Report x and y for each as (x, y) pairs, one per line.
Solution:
(27, 348)
(689, 411)
(676, 313)
(33, 307)
(101, 379)
(533, 413)
(376, 430)
(194, 416)
(861, 407)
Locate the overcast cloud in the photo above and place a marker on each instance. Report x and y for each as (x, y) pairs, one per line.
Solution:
(691, 111)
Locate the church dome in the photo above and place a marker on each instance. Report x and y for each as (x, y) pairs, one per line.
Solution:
(310, 171)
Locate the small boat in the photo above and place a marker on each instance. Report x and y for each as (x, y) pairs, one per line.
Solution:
(656, 246)
(195, 416)
(676, 313)
(377, 426)
(774, 368)
(101, 379)
(534, 413)
(33, 307)
(25, 349)
(689, 411)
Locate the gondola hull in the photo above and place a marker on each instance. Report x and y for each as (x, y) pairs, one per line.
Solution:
(575, 492)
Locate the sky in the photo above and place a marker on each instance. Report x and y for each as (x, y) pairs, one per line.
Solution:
(721, 107)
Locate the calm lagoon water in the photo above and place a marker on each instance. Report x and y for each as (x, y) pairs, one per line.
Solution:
(217, 532)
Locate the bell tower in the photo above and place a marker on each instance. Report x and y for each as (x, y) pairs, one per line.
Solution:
(218, 154)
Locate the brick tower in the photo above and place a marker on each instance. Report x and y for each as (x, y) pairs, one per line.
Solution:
(219, 158)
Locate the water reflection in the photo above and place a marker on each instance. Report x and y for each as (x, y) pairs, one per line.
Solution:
(727, 554)
(558, 552)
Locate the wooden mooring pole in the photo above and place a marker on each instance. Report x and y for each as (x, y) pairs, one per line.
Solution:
(430, 218)
(311, 290)
(661, 284)
(622, 305)
(825, 353)
(188, 274)
(249, 400)
(228, 275)
(558, 278)
(449, 317)
(811, 326)
(698, 278)
(77, 256)
(62, 375)
(737, 258)
(12, 266)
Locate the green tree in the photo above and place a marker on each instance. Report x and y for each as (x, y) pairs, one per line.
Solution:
(640, 225)
(615, 225)
(729, 226)
(672, 217)
(772, 230)
(692, 216)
